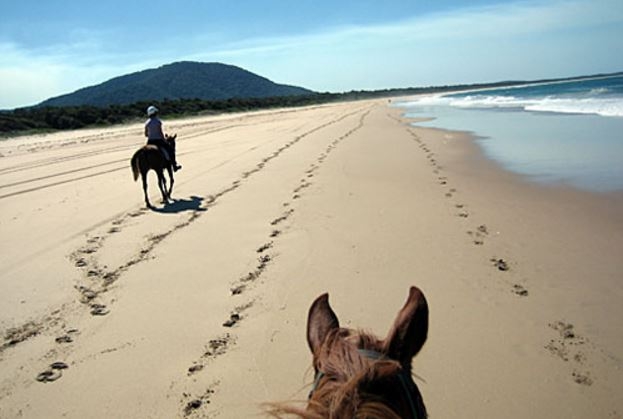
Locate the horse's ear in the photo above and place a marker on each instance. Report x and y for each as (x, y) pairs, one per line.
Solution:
(408, 333)
(174, 136)
(320, 321)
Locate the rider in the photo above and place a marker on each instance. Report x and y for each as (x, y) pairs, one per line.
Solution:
(155, 136)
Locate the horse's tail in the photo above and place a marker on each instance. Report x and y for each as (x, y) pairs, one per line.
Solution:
(134, 164)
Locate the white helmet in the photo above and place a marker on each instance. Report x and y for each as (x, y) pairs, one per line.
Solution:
(152, 110)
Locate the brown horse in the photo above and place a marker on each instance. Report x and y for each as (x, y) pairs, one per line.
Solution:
(359, 375)
(150, 157)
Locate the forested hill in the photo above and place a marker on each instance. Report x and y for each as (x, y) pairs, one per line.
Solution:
(181, 80)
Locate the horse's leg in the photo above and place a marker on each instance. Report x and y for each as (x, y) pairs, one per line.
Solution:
(170, 170)
(144, 179)
(163, 186)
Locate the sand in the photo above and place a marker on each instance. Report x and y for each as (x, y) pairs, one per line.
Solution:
(198, 308)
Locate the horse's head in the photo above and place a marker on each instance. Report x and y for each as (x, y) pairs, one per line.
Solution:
(359, 375)
(170, 139)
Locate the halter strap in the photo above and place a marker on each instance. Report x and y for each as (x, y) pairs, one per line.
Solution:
(370, 354)
(376, 356)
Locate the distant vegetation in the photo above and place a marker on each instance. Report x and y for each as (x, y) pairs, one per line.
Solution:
(51, 118)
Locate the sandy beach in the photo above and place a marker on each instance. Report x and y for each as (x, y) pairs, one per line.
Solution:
(198, 309)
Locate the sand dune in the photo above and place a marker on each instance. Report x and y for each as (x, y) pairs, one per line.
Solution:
(198, 308)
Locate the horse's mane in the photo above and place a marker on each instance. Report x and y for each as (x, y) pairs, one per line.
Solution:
(352, 385)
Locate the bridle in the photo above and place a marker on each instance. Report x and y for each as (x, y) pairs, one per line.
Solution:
(404, 378)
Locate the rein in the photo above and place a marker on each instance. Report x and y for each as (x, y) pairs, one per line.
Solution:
(403, 377)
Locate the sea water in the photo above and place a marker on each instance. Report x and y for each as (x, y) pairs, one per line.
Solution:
(567, 132)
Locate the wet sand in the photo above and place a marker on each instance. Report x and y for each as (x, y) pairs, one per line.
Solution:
(198, 308)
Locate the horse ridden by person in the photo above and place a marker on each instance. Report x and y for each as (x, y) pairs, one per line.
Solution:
(157, 155)
(150, 157)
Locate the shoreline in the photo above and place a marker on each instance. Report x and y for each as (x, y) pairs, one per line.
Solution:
(547, 148)
(478, 155)
(274, 209)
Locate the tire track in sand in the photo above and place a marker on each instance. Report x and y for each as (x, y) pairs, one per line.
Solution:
(197, 405)
(99, 279)
(96, 280)
(57, 160)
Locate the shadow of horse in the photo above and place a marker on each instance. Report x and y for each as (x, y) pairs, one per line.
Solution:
(176, 206)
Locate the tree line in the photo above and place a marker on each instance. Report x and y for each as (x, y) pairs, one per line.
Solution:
(49, 118)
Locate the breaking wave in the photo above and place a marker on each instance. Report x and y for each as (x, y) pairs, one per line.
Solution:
(596, 106)
(598, 97)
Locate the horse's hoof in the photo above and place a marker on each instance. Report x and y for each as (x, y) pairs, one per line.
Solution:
(99, 310)
(59, 365)
(49, 376)
(64, 339)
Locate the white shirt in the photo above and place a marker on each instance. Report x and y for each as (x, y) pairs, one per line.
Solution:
(153, 129)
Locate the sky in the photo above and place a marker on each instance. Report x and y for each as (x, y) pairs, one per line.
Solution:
(52, 47)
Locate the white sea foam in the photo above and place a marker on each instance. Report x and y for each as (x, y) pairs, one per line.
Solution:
(604, 107)
(611, 106)
(576, 150)
(599, 91)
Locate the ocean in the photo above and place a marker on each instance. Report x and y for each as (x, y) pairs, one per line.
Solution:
(567, 132)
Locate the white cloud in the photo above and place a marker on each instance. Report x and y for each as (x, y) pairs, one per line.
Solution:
(524, 39)
(505, 20)
(25, 79)
(454, 46)
(29, 77)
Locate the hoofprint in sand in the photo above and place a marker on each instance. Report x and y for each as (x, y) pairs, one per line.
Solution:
(198, 308)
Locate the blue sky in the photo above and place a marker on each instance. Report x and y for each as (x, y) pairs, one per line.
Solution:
(51, 47)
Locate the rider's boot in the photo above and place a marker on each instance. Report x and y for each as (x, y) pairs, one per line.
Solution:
(174, 164)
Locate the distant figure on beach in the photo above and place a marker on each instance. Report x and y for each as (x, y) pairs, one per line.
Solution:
(155, 136)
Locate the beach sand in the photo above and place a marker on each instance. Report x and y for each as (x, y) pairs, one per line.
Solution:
(199, 308)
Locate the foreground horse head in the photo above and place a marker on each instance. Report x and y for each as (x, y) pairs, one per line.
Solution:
(359, 375)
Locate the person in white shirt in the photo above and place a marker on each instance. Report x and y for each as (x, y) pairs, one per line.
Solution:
(155, 136)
